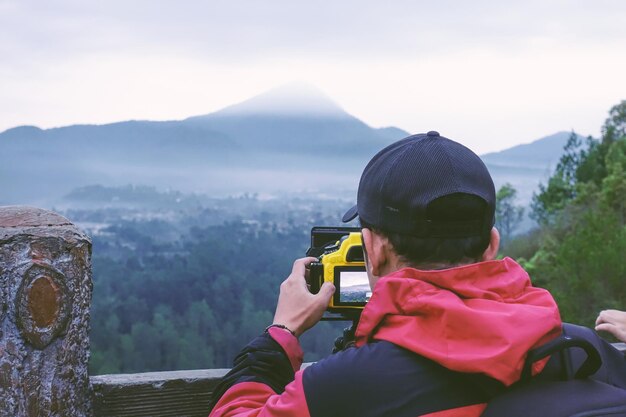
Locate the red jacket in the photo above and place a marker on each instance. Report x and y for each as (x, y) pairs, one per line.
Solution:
(429, 343)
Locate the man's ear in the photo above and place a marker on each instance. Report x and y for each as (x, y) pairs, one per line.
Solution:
(494, 243)
(375, 247)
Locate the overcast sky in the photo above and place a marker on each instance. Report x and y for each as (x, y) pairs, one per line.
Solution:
(490, 74)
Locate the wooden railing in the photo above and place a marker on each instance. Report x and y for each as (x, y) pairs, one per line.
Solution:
(45, 295)
(154, 394)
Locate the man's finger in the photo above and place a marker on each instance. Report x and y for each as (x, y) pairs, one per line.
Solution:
(607, 327)
(299, 266)
(613, 315)
(327, 290)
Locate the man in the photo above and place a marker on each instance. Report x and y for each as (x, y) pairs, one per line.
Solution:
(447, 326)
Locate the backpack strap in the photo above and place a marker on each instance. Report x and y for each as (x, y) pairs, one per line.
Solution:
(585, 377)
(589, 367)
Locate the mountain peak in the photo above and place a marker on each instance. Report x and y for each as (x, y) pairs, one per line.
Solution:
(293, 99)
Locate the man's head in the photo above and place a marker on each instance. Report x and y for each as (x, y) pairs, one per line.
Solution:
(430, 200)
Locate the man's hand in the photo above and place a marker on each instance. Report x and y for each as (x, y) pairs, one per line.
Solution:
(297, 308)
(614, 322)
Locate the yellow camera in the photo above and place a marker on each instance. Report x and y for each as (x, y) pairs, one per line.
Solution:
(340, 251)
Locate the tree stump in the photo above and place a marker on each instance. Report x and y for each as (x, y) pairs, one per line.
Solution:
(45, 295)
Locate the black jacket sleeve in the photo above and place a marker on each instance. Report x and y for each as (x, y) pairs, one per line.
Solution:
(262, 360)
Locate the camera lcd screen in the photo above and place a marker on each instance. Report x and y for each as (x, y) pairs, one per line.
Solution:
(353, 287)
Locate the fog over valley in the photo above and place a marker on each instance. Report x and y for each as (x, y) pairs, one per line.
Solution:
(290, 139)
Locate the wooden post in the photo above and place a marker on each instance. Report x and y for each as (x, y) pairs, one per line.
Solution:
(45, 295)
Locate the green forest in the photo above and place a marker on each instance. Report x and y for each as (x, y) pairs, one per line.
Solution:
(189, 294)
(194, 310)
(577, 252)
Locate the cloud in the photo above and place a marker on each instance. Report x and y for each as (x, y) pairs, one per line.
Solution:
(248, 31)
(468, 68)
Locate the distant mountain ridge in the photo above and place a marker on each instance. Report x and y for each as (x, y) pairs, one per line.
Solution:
(306, 142)
(525, 166)
(289, 139)
(540, 153)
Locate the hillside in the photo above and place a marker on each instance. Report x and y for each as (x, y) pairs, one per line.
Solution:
(290, 139)
(541, 153)
(305, 141)
(525, 166)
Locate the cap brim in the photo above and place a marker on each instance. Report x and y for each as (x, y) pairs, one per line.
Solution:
(350, 214)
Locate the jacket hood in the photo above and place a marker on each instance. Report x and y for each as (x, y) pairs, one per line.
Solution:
(477, 318)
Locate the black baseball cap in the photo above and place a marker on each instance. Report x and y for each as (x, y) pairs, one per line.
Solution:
(403, 182)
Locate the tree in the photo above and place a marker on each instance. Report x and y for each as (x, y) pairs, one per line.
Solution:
(614, 184)
(580, 258)
(615, 126)
(561, 187)
(508, 215)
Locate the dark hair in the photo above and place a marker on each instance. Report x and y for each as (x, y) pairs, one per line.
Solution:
(437, 252)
